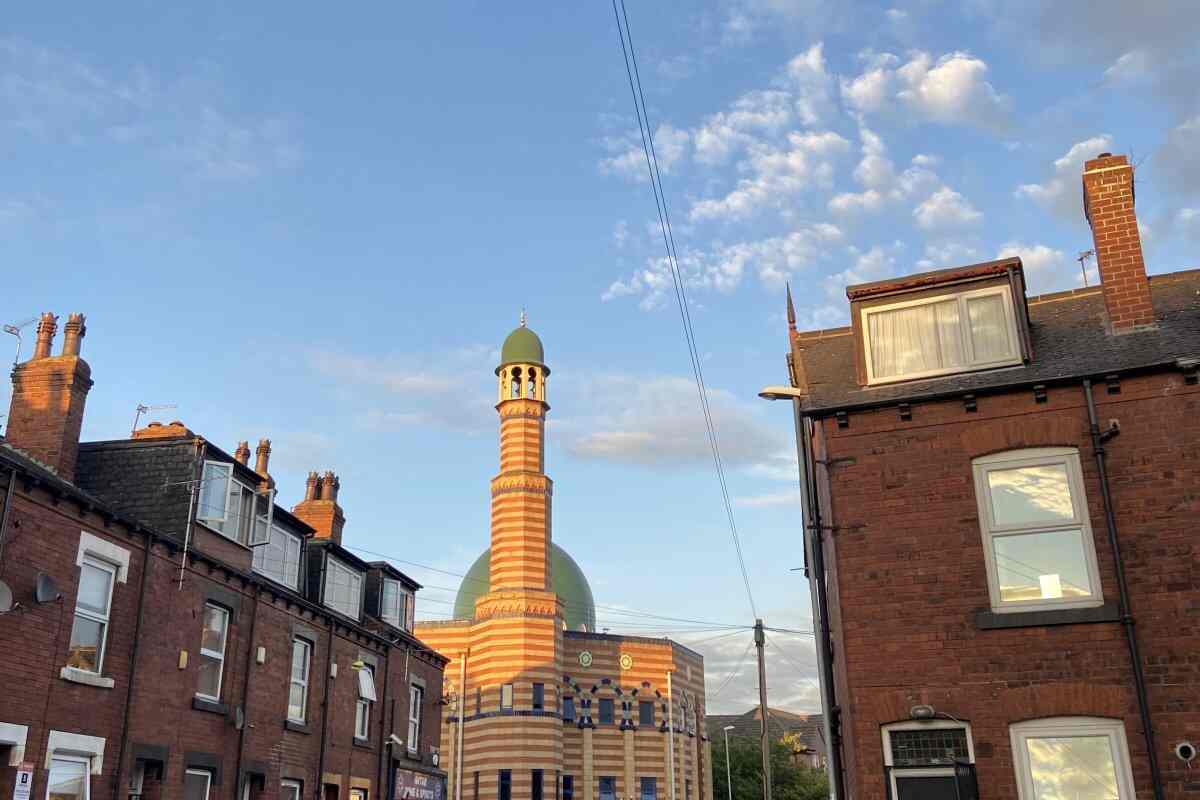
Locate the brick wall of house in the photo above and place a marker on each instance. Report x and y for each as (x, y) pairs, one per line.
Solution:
(43, 535)
(907, 585)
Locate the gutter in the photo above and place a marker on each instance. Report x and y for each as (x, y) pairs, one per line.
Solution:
(814, 554)
(1139, 679)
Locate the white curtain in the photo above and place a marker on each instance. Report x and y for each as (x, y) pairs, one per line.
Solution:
(915, 339)
(989, 328)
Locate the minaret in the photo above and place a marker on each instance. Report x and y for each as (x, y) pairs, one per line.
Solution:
(520, 557)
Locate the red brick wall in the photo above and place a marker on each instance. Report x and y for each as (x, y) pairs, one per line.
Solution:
(44, 535)
(909, 576)
(1109, 204)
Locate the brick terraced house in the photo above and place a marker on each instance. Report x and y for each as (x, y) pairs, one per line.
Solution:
(1002, 499)
(177, 634)
(545, 707)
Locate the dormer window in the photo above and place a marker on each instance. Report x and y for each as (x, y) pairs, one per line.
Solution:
(940, 334)
(235, 510)
(343, 588)
(396, 605)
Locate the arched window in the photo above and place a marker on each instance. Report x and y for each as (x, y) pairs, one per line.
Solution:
(1071, 757)
(515, 389)
(1037, 540)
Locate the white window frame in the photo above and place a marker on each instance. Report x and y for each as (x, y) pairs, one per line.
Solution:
(506, 688)
(288, 783)
(302, 683)
(253, 539)
(362, 705)
(893, 772)
(113, 573)
(332, 564)
(265, 571)
(1113, 729)
(87, 771)
(207, 779)
(1067, 457)
(214, 654)
(964, 329)
(402, 617)
(416, 700)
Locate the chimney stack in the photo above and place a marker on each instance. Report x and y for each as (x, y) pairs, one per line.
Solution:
(48, 398)
(242, 453)
(1108, 204)
(262, 457)
(320, 507)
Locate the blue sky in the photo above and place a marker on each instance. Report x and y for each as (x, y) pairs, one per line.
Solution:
(319, 227)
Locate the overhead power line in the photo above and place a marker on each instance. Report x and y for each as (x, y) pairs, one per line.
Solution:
(664, 222)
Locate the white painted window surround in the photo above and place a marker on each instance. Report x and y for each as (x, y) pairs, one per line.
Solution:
(76, 744)
(1072, 757)
(104, 550)
(14, 736)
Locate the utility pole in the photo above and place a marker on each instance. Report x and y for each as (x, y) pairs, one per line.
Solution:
(760, 640)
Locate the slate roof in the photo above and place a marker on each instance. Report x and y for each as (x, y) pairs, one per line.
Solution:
(779, 723)
(1068, 337)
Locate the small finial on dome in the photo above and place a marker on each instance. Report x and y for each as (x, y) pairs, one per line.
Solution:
(523, 319)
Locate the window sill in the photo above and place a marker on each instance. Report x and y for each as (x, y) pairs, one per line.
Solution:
(296, 727)
(990, 620)
(363, 743)
(211, 706)
(224, 536)
(412, 755)
(76, 675)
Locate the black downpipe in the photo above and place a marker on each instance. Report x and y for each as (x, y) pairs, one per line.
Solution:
(813, 528)
(325, 693)
(8, 498)
(250, 650)
(133, 654)
(1110, 520)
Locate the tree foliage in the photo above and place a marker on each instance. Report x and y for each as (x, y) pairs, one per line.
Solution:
(789, 781)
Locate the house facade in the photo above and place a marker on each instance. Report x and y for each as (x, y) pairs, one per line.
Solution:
(544, 707)
(175, 633)
(1001, 498)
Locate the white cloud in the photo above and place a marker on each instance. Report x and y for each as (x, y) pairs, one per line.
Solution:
(952, 90)
(877, 173)
(1178, 160)
(945, 208)
(752, 115)
(724, 267)
(656, 422)
(1062, 192)
(57, 96)
(776, 175)
(629, 159)
(1131, 66)
(790, 497)
(1047, 268)
(621, 233)
(809, 80)
(948, 253)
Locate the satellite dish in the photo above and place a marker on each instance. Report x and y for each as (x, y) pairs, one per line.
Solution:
(6, 600)
(47, 590)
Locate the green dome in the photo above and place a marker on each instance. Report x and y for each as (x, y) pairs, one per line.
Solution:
(522, 347)
(567, 579)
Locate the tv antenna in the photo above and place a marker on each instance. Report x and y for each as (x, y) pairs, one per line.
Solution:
(15, 330)
(1082, 258)
(142, 408)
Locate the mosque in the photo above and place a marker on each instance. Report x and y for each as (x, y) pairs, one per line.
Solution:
(538, 705)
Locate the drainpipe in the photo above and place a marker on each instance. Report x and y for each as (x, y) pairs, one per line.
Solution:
(133, 654)
(383, 726)
(325, 692)
(8, 498)
(250, 660)
(462, 713)
(814, 552)
(1139, 679)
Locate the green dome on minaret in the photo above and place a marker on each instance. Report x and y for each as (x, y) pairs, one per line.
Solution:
(566, 578)
(522, 347)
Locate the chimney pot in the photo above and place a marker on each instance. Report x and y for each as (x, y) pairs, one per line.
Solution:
(329, 486)
(310, 487)
(47, 327)
(242, 453)
(262, 457)
(73, 333)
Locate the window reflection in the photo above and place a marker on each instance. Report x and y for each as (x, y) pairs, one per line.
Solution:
(1030, 494)
(1072, 768)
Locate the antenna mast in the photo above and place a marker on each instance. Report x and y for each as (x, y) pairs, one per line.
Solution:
(142, 408)
(1083, 258)
(15, 330)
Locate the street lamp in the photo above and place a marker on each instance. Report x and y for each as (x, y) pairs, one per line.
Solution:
(813, 555)
(728, 780)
